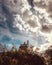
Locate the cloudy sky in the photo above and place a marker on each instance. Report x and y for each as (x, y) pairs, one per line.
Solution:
(22, 20)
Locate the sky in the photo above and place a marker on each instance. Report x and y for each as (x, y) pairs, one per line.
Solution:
(23, 20)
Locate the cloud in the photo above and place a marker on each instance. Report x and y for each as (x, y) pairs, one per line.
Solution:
(49, 9)
(46, 28)
(44, 5)
(24, 22)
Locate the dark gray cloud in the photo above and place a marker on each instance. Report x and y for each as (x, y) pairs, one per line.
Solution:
(49, 9)
(32, 23)
(46, 28)
(31, 3)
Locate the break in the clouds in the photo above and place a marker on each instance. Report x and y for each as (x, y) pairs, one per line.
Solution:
(26, 20)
